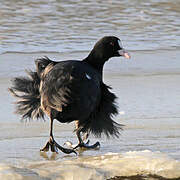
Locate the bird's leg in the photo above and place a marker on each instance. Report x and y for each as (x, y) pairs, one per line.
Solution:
(53, 144)
(81, 144)
(85, 136)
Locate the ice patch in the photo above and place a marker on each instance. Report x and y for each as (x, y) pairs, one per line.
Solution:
(97, 167)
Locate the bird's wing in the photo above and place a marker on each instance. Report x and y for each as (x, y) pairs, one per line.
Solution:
(70, 86)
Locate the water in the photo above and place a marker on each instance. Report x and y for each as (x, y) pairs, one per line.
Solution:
(147, 86)
(60, 26)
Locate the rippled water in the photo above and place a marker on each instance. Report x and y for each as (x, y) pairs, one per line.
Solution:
(59, 26)
(147, 86)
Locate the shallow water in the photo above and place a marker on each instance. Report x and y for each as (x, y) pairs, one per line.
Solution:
(59, 26)
(147, 86)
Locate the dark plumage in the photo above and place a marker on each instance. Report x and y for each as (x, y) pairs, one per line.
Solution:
(72, 91)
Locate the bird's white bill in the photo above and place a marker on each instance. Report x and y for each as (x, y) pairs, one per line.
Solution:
(124, 53)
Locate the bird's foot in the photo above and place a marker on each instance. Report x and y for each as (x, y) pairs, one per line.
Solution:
(87, 146)
(83, 145)
(55, 146)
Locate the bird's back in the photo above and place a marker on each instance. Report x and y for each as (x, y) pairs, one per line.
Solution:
(71, 90)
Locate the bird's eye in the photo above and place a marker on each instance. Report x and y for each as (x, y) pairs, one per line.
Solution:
(111, 43)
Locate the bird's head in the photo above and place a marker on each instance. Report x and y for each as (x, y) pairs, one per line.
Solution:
(109, 46)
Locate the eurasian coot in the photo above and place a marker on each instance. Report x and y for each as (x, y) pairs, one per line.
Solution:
(72, 91)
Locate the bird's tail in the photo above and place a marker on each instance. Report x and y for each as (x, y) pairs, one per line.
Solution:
(26, 90)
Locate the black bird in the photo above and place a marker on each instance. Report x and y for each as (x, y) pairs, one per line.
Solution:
(72, 91)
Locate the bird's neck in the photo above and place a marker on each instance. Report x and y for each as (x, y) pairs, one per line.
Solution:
(96, 61)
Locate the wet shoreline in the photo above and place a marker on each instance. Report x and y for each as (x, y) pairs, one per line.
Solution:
(148, 93)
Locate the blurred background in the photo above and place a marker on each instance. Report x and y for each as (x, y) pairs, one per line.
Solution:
(67, 26)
